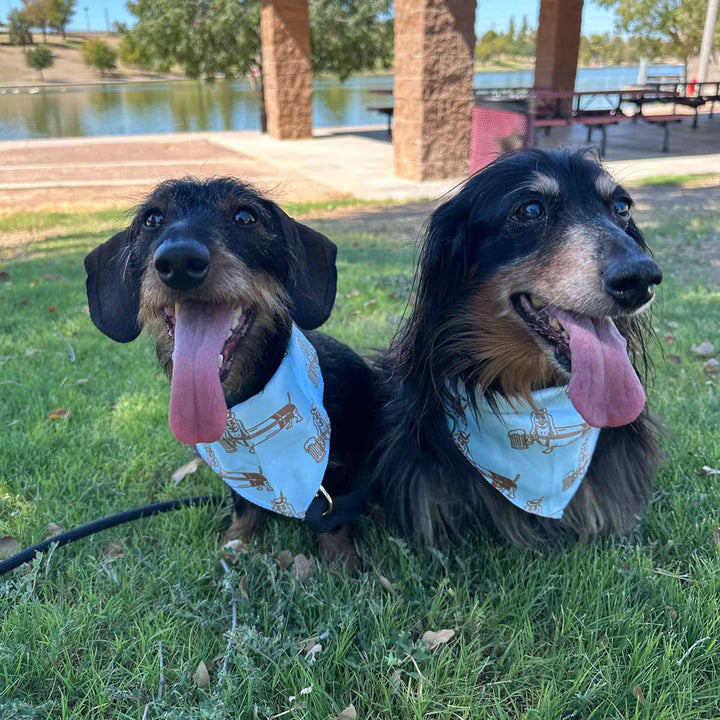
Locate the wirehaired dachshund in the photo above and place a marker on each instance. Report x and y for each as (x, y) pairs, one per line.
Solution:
(533, 277)
(217, 275)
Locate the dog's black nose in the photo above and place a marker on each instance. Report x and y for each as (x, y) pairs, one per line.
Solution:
(182, 264)
(632, 282)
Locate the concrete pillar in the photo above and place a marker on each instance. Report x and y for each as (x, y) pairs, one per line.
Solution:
(287, 69)
(558, 43)
(434, 49)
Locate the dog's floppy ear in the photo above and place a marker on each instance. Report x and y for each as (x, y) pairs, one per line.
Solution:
(313, 278)
(113, 289)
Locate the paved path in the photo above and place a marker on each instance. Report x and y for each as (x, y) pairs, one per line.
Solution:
(335, 163)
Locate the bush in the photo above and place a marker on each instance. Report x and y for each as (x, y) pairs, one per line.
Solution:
(100, 55)
(39, 58)
(19, 28)
(131, 54)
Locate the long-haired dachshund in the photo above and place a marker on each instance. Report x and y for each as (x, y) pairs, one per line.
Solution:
(512, 394)
(218, 274)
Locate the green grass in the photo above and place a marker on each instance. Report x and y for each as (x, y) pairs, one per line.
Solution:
(678, 181)
(567, 632)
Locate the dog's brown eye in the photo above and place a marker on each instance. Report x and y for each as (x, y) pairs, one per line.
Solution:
(621, 207)
(244, 217)
(154, 219)
(530, 211)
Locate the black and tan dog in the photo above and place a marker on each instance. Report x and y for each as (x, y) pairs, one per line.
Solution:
(534, 275)
(217, 274)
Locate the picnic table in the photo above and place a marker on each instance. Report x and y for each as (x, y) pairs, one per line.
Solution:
(550, 108)
(593, 109)
(387, 110)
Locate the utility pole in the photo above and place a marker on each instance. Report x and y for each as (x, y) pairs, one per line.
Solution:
(87, 18)
(707, 41)
(107, 21)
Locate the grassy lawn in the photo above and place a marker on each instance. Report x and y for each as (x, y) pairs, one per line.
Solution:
(617, 629)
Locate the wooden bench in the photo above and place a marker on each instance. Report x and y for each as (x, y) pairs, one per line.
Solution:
(664, 121)
(389, 111)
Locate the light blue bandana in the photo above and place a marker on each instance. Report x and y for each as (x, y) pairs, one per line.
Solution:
(535, 456)
(275, 448)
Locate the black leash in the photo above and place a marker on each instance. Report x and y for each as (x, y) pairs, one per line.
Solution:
(320, 517)
(97, 525)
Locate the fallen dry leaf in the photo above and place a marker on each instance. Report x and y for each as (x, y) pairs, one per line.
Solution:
(86, 309)
(313, 651)
(302, 568)
(58, 414)
(639, 695)
(712, 367)
(8, 546)
(669, 339)
(4, 276)
(201, 675)
(187, 469)
(431, 639)
(52, 530)
(53, 276)
(113, 551)
(285, 558)
(244, 590)
(710, 471)
(349, 713)
(674, 359)
(51, 308)
(716, 537)
(704, 349)
(82, 381)
(386, 584)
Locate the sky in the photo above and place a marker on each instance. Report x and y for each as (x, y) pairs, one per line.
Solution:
(490, 15)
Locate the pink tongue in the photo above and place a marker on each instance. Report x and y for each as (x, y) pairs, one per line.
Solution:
(198, 413)
(604, 387)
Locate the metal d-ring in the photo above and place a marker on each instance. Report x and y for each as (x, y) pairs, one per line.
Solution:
(322, 491)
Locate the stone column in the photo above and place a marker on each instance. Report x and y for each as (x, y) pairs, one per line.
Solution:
(434, 50)
(558, 44)
(287, 69)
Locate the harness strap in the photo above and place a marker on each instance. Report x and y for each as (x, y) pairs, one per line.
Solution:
(323, 516)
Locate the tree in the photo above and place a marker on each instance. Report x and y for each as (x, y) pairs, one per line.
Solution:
(38, 13)
(100, 55)
(19, 28)
(350, 37)
(60, 13)
(39, 58)
(672, 26)
(210, 38)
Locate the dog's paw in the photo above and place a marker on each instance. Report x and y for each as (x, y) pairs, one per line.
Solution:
(246, 526)
(339, 547)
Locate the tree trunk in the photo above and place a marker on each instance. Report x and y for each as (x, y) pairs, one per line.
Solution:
(257, 84)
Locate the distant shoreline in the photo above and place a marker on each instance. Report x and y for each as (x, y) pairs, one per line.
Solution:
(145, 80)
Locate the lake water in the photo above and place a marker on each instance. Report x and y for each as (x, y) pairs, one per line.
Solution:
(140, 108)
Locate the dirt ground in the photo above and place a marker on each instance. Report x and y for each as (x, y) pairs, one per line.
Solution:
(68, 67)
